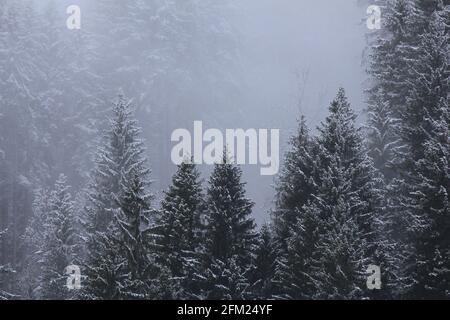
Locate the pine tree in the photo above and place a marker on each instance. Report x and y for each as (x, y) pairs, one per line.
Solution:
(265, 263)
(297, 186)
(297, 183)
(335, 237)
(410, 73)
(134, 241)
(347, 202)
(423, 187)
(428, 87)
(389, 70)
(117, 214)
(431, 196)
(60, 247)
(180, 227)
(292, 279)
(33, 242)
(230, 235)
(230, 230)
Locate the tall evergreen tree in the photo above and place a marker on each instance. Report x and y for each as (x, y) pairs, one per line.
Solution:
(409, 91)
(34, 237)
(347, 202)
(296, 185)
(133, 241)
(423, 187)
(117, 213)
(230, 234)
(61, 244)
(230, 230)
(335, 237)
(389, 69)
(180, 227)
(265, 263)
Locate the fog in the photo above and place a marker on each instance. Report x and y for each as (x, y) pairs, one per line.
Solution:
(249, 64)
(157, 149)
(296, 56)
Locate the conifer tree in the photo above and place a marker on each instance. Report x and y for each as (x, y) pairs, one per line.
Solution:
(335, 237)
(230, 234)
(33, 242)
(296, 188)
(347, 203)
(409, 92)
(117, 214)
(180, 227)
(61, 246)
(297, 183)
(423, 188)
(389, 70)
(230, 230)
(265, 263)
(134, 241)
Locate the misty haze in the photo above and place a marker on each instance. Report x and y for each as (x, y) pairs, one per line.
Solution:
(224, 149)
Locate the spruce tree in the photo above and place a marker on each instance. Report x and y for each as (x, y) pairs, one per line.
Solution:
(423, 185)
(410, 90)
(33, 242)
(230, 230)
(296, 185)
(265, 263)
(230, 234)
(431, 197)
(117, 213)
(348, 204)
(389, 70)
(292, 279)
(180, 228)
(335, 237)
(61, 244)
(134, 241)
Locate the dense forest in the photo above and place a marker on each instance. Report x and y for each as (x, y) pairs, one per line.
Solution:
(76, 185)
